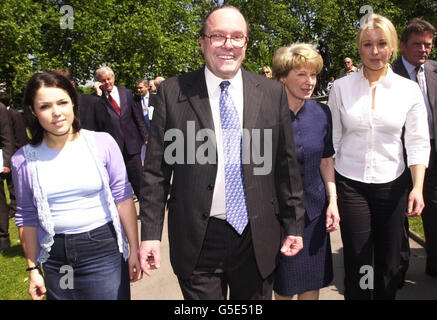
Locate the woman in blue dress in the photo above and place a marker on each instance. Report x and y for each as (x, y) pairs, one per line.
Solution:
(297, 66)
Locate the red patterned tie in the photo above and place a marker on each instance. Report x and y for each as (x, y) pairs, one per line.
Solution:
(114, 103)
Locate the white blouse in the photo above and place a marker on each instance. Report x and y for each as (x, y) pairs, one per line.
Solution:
(367, 142)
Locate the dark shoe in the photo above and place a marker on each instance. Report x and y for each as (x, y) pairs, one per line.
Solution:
(4, 245)
(430, 272)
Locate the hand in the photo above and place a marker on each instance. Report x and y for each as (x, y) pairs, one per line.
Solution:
(6, 170)
(37, 288)
(150, 257)
(291, 246)
(415, 203)
(97, 89)
(135, 273)
(332, 217)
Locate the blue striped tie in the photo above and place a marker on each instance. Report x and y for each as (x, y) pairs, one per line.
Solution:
(236, 205)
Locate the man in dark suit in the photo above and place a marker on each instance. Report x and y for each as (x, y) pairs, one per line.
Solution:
(129, 128)
(7, 148)
(416, 44)
(94, 114)
(224, 214)
(146, 102)
(20, 138)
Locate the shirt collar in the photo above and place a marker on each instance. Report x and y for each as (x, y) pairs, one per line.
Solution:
(386, 81)
(114, 91)
(213, 82)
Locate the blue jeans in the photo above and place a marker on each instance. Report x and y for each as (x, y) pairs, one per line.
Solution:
(87, 266)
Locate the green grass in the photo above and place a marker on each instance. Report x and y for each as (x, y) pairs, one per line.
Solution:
(14, 280)
(417, 226)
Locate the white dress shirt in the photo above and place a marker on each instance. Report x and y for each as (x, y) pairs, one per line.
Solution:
(115, 95)
(367, 141)
(145, 100)
(218, 206)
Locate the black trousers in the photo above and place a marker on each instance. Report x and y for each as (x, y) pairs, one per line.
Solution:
(11, 188)
(134, 170)
(372, 227)
(429, 217)
(4, 216)
(226, 259)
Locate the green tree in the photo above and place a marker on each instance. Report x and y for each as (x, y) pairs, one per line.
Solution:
(20, 38)
(147, 38)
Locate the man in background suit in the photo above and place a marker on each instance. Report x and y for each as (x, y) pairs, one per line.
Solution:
(348, 69)
(158, 80)
(7, 147)
(129, 128)
(20, 138)
(416, 44)
(223, 216)
(146, 102)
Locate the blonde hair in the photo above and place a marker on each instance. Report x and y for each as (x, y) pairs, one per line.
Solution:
(295, 56)
(376, 21)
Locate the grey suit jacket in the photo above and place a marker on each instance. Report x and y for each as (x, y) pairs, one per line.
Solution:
(431, 84)
(272, 198)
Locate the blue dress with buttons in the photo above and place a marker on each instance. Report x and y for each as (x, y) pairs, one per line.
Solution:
(311, 268)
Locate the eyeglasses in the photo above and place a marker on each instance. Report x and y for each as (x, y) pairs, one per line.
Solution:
(266, 72)
(347, 62)
(218, 40)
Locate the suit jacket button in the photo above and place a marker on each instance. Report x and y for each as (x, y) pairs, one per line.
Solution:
(210, 187)
(205, 215)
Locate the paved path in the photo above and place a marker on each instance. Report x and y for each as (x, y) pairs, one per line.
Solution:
(163, 284)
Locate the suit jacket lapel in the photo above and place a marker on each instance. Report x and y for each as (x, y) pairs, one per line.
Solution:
(197, 94)
(399, 68)
(108, 104)
(123, 100)
(252, 100)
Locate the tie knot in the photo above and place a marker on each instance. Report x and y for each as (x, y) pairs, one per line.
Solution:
(224, 85)
(418, 69)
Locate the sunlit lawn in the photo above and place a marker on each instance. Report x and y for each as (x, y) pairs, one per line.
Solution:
(417, 226)
(14, 280)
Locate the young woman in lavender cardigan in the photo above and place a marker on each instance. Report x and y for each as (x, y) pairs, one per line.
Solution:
(74, 201)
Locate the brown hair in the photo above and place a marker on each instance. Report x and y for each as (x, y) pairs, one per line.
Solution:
(51, 80)
(416, 25)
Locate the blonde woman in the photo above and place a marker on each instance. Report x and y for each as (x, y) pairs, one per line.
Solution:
(369, 111)
(297, 66)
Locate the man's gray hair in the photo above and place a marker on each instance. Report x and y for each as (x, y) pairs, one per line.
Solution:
(103, 70)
